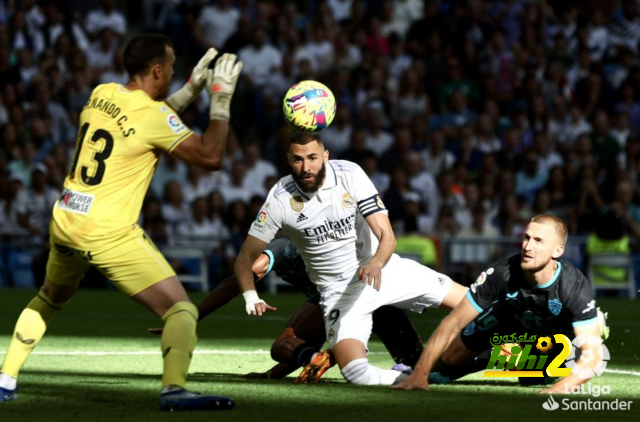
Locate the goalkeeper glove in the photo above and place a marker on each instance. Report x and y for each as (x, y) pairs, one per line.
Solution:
(181, 99)
(221, 82)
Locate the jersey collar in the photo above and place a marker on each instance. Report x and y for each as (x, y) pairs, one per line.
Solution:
(330, 180)
(553, 279)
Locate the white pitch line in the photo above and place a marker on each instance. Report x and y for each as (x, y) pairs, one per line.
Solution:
(619, 371)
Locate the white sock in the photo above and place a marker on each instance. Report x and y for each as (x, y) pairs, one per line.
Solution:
(7, 382)
(359, 372)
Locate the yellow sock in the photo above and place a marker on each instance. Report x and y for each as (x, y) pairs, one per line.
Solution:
(28, 332)
(177, 342)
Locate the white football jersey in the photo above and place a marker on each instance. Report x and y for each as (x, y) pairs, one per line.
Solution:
(327, 226)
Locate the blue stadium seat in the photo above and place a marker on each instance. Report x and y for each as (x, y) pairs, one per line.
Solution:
(19, 263)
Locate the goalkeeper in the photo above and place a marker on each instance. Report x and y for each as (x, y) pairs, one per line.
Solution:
(123, 131)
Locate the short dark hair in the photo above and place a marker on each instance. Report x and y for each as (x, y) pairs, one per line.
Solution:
(559, 225)
(143, 51)
(304, 138)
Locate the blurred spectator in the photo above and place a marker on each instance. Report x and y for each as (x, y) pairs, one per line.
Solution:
(625, 29)
(174, 209)
(414, 221)
(106, 17)
(336, 137)
(103, 50)
(196, 186)
(238, 188)
(531, 177)
(458, 115)
(472, 251)
(9, 206)
(369, 163)
(169, 169)
(21, 36)
(200, 230)
(376, 138)
(257, 170)
(116, 72)
(34, 207)
(412, 100)
(259, 59)
(341, 9)
(603, 145)
(58, 23)
(436, 158)
(216, 24)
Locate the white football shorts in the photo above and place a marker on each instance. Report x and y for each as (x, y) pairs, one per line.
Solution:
(406, 284)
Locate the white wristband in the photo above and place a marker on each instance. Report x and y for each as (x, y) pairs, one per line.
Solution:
(251, 299)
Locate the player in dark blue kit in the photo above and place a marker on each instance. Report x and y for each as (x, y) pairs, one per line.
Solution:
(304, 334)
(534, 292)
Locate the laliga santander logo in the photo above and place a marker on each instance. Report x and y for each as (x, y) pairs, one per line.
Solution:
(550, 404)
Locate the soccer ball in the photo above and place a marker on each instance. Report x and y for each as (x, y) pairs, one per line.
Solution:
(309, 106)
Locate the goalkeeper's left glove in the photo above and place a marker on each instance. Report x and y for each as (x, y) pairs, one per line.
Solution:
(181, 99)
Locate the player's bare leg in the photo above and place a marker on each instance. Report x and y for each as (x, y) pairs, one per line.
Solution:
(29, 330)
(169, 300)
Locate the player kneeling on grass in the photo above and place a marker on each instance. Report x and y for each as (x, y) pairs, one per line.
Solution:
(534, 292)
(300, 341)
(333, 214)
(123, 131)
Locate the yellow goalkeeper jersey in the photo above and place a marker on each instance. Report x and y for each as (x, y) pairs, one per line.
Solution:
(119, 140)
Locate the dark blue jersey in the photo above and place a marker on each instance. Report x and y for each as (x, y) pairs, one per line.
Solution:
(565, 302)
(287, 263)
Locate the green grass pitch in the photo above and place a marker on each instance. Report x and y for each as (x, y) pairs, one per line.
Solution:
(97, 363)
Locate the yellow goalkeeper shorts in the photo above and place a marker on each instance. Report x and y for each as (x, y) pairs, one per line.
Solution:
(132, 264)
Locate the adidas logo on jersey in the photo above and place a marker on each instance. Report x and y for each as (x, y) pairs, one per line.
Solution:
(301, 218)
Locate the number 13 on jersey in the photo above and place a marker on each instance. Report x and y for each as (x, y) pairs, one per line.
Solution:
(97, 161)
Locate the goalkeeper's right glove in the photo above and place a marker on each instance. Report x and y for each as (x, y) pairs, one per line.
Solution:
(181, 99)
(221, 82)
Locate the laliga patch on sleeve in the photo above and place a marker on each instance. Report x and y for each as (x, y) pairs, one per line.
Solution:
(175, 124)
(481, 279)
(260, 219)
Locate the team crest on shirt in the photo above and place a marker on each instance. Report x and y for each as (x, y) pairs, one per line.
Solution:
(330, 334)
(296, 203)
(481, 279)
(347, 201)
(469, 329)
(175, 124)
(380, 203)
(555, 306)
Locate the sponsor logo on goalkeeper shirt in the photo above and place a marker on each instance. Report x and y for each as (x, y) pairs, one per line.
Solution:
(76, 202)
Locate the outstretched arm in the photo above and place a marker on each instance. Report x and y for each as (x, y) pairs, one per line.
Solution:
(251, 249)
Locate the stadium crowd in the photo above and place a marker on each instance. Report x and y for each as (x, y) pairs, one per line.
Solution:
(469, 116)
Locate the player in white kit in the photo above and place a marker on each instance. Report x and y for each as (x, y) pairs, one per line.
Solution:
(329, 210)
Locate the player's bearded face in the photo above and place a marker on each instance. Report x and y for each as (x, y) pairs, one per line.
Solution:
(538, 245)
(308, 165)
(308, 181)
